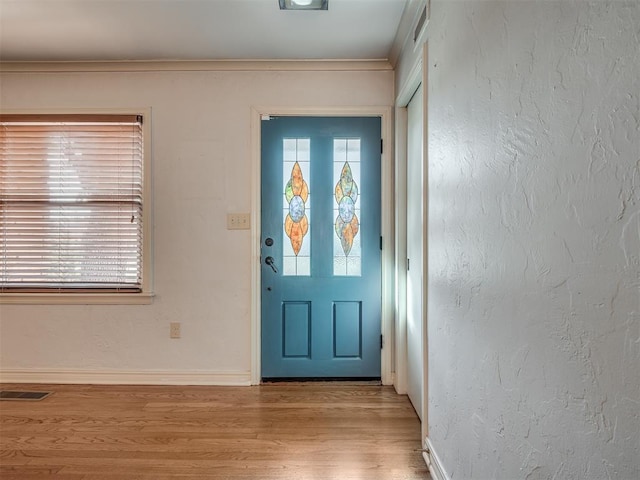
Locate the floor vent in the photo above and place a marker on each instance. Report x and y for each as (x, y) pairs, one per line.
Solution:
(24, 396)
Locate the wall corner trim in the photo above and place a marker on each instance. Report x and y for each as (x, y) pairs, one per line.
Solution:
(125, 377)
(433, 461)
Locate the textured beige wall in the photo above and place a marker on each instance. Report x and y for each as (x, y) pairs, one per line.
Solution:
(534, 248)
(201, 171)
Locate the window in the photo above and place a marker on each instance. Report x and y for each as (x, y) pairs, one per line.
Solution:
(347, 251)
(296, 210)
(72, 205)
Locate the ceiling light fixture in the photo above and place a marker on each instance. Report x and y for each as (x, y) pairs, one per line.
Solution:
(304, 4)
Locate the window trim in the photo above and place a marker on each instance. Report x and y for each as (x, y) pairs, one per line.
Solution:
(144, 297)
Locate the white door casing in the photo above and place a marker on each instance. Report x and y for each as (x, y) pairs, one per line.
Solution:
(387, 214)
(415, 250)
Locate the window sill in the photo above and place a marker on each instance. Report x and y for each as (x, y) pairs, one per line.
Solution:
(144, 298)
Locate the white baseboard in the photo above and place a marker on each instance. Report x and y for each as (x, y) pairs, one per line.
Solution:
(433, 461)
(125, 377)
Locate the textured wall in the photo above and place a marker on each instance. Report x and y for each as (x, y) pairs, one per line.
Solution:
(534, 300)
(201, 171)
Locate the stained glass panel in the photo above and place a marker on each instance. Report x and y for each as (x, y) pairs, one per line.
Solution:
(347, 251)
(296, 207)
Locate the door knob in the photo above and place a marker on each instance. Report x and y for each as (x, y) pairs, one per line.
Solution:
(269, 261)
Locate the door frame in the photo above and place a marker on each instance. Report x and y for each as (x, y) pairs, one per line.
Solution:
(418, 76)
(387, 223)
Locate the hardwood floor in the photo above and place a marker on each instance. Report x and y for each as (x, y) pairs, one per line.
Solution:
(282, 431)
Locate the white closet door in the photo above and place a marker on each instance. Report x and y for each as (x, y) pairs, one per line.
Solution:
(415, 249)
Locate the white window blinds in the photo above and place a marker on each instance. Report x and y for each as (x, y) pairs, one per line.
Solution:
(71, 203)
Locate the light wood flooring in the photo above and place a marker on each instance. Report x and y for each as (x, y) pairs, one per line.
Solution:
(282, 431)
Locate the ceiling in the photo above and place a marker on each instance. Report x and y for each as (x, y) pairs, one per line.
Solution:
(118, 30)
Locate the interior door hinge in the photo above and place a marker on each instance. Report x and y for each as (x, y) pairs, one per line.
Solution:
(381, 342)
(380, 242)
(381, 146)
(407, 264)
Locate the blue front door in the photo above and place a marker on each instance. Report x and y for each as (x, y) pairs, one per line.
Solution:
(321, 247)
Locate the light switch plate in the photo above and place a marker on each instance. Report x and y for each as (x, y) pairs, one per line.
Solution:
(238, 221)
(174, 330)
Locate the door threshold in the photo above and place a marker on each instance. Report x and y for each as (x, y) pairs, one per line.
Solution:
(366, 381)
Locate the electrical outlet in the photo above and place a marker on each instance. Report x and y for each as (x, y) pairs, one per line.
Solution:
(174, 330)
(238, 221)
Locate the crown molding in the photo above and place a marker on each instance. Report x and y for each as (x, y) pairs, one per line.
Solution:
(197, 66)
